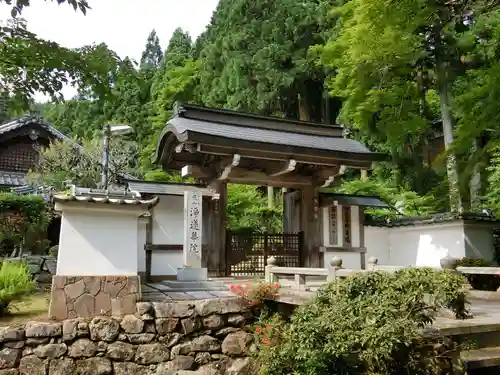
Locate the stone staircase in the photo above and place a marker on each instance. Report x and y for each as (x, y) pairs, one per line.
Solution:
(479, 337)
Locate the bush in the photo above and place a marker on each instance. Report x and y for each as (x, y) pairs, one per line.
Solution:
(480, 282)
(255, 293)
(54, 250)
(15, 282)
(23, 221)
(369, 323)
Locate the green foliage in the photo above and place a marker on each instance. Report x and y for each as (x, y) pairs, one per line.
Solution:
(29, 64)
(152, 54)
(369, 323)
(23, 221)
(403, 202)
(15, 283)
(64, 162)
(247, 210)
(394, 71)
(54, 250)
(30, 207)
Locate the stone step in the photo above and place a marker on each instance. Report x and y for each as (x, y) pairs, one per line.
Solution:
(188, 286)
(480, 358)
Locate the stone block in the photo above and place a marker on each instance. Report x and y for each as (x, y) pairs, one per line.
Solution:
(65, 366)
(82, 348)
(129, 368)
(120, 351)
(179, 363)
(104, 329)
(152, 353)
(220, 306)
(236, 344)
(192, 274)
(140, 338)
(32, 365)
(93, 366)
(132, 324)
(51, 351)
(181, 309)
(41, 329)
(11, 334)
(9, 358)
(166, 325)
(213, 322)
(203, 343)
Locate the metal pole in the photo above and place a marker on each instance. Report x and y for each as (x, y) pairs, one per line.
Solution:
(105, 158)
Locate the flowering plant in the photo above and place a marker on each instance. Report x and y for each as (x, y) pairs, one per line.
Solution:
(267, 330)
(255, 293)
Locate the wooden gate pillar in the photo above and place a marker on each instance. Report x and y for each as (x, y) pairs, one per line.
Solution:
(216, 226)
(310, 226)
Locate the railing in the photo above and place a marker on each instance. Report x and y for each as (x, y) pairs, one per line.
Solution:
(274, 273)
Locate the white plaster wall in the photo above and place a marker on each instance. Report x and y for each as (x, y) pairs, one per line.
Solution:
(479, 242)
(168, 220)
(168, 228)
(350, 259)
(165, 263)
(97, 244)
(377, 244)
(415, 245)
(141, 241)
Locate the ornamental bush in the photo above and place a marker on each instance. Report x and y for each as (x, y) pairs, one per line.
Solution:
(15, 282)
(370, 323)
(23, 221)
(255, 294)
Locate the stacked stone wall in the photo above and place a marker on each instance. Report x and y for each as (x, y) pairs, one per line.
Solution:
(206, 337)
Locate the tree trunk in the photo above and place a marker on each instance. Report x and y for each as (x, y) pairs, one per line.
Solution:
(270, 197)
(475, 180)
(304, 110)
(448, 122)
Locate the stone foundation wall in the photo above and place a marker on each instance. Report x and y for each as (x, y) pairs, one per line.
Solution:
(202, 338)
(90, 296)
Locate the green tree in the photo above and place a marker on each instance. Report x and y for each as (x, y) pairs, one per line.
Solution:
(29, 64)
(393, 61)
(175, 80)
(255, 58)
(152, 54)
(65, 162)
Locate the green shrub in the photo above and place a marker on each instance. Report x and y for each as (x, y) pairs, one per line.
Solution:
(15, 282)
(480, 282)
(54, 250)
(369, 323)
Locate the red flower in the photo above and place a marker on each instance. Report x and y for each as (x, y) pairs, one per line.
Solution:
(257, 330)
(265, 342)
(268, 326)
(276, 286)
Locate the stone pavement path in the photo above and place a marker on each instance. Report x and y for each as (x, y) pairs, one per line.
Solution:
(169, 291)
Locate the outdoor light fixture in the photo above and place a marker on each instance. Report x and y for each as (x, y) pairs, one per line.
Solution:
(116, 129)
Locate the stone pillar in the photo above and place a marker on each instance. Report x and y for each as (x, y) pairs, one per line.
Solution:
(192, 252)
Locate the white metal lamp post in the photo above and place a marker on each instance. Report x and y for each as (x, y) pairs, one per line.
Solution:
(115, 129)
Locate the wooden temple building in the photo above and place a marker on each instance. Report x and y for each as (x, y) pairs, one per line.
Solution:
(218, 147)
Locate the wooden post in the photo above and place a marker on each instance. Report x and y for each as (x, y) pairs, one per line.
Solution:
(147, 248)
(266, 247)
(218, 227)
(310, 225)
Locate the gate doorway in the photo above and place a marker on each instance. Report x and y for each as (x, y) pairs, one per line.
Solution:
(247, 253)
